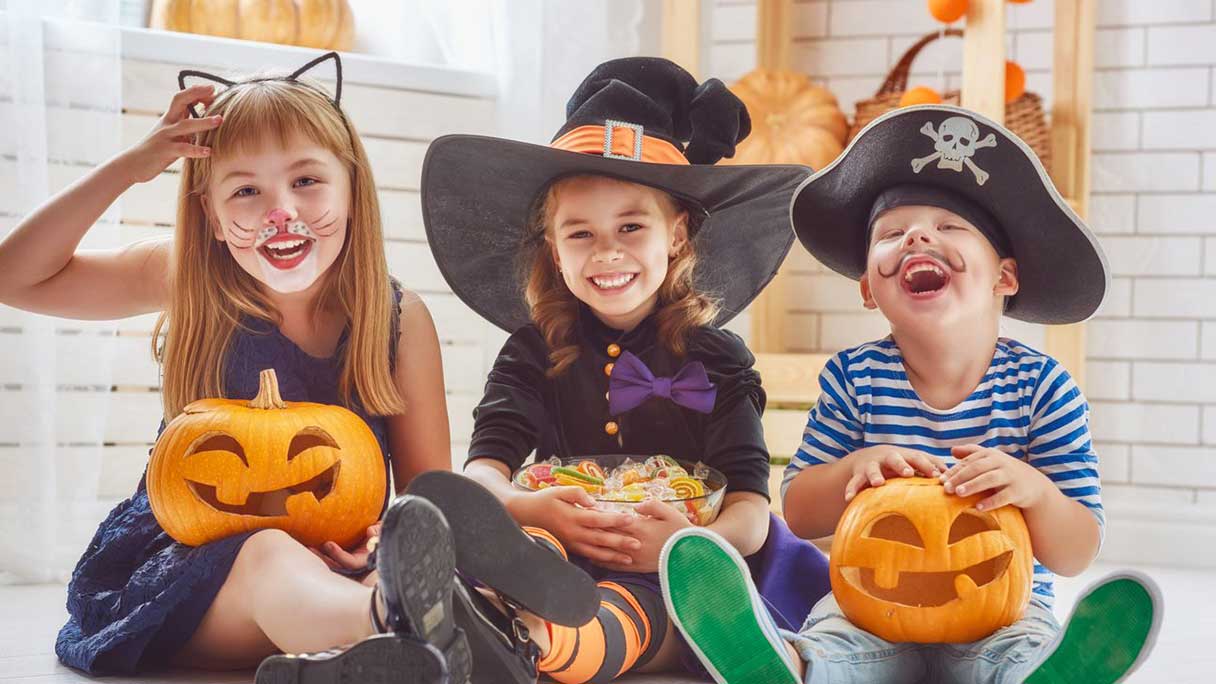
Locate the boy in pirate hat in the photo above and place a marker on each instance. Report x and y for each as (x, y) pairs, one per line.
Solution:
(612, 256)
(949, 221)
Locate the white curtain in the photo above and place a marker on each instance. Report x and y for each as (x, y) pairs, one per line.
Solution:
(60, 107)
(539, 49)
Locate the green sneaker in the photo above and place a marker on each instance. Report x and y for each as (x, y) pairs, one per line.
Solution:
(1110, 632)
(712, 601)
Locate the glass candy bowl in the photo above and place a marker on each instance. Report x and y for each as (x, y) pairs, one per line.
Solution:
(619, 482)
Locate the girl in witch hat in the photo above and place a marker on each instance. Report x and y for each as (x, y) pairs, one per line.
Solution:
(277, 262)
(613, 256)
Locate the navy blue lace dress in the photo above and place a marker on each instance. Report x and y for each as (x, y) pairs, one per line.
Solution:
(136, 596)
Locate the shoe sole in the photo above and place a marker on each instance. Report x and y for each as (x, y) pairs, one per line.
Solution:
(492, 549)
(417, 563)
(710, 598)
(379, 659)
(1110, 632)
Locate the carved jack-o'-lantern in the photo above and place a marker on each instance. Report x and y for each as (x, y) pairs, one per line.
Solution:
(912, 563)
(227, 466)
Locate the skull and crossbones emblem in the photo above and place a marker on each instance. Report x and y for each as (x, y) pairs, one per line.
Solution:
(955, 142)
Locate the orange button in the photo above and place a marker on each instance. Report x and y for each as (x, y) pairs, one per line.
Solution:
(611, 428)
(614, 350)
(608, 369)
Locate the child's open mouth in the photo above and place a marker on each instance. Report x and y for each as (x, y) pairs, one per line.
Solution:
(612, 282)
(286, 251)
(923, 276)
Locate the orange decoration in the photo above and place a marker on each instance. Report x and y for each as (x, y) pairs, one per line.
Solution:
(910, 562)
(1015, 81)
(948, 11)
(322, 24)
(920, 95)
(226, 466)
(793, 121)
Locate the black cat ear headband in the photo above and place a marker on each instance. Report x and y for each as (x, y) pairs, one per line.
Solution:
(293, 77)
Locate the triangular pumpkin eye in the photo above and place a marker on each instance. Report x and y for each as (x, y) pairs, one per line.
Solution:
(968, 524)
(308, 438)
(218, 441)
(896, 528)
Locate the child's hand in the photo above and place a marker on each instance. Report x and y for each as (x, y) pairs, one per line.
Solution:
(873, 465)
(1011, 480)
(356, 559)
(171, 137)
(653, 526)
(568, 513)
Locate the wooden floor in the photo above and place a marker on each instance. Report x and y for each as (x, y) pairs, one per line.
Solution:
(30, 616)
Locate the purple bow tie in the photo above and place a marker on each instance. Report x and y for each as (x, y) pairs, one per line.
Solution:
(632, 383)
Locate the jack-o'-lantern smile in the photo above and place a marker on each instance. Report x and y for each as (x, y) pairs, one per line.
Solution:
(930, 589)
(273, 502)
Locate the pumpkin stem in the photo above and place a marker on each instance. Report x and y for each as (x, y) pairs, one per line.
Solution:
(268, 392)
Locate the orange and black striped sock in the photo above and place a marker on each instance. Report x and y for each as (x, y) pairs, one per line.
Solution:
(629, 628)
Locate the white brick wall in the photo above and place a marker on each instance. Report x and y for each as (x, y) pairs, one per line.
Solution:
(1152, 346)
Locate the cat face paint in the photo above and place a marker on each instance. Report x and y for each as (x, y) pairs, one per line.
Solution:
(282, 213)
(286, 254)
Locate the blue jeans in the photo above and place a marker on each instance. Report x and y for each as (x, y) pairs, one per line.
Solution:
(837, 651)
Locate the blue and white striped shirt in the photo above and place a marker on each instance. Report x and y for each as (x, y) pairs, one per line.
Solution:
(1026, 405)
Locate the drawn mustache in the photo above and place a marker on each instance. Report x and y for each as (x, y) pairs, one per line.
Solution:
(955, 265)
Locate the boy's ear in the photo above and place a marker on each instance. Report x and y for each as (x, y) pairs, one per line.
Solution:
(205, 203)
(867, 297)
(1007, 283)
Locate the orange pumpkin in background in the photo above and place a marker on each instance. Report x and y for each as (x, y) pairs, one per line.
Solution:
(793, 121)
(919, 95)
(948, 11)
(323, 24)
(910, 562)
(1015, 81)
(227, 466)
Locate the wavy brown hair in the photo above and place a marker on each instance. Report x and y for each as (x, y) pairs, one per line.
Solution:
(210, 292)
(679, 311)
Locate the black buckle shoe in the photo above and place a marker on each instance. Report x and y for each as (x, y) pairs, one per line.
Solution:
(492, 549)
(502, 648)
(378, 659)
(417, 561)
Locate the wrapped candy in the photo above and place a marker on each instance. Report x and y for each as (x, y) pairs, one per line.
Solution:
(686, 487)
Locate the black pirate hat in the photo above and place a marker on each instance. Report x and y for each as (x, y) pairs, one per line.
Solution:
(640, 119)
(949, 151)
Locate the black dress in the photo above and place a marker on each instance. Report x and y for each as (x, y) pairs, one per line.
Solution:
(567, 416)
(136, 595)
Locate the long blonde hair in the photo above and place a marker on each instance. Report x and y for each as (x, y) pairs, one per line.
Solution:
(680, 309)
(210, 292)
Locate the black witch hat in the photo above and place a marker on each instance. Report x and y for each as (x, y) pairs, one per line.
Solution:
(642, 120)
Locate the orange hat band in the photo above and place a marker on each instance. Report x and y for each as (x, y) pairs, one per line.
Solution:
(620, 140)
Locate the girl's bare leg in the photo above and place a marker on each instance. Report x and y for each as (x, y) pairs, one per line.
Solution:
(278, 597)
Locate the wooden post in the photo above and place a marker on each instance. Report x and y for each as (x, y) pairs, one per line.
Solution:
(774, 33)
(681, 35)
(1072, 105)
(984, 59)
(774, 36)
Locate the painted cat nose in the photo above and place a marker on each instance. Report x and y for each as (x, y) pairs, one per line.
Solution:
(279, 217)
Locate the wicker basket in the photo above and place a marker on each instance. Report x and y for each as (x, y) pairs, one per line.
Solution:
(1024, 116)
